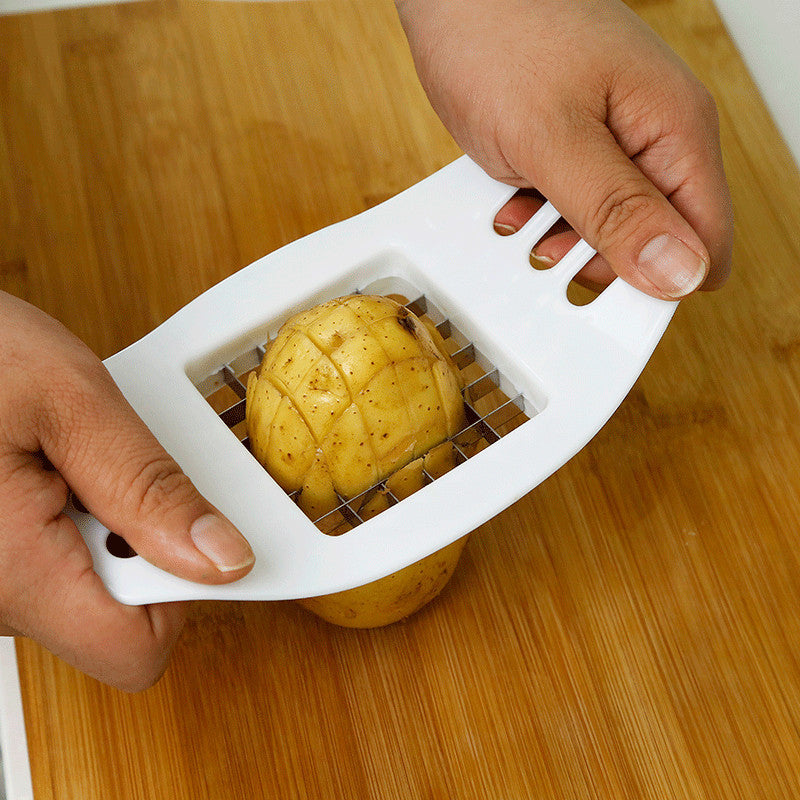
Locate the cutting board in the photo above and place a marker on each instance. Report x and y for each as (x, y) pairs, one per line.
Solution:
(627, 630)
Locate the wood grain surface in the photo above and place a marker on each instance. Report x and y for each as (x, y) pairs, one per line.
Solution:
(628, 630)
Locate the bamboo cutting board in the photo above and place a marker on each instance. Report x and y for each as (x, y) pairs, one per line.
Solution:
(628, 630)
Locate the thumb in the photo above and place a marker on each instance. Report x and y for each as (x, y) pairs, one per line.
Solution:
(623, 215)
(131, 485)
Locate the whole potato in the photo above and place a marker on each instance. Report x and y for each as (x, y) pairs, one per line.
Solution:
(348, 394)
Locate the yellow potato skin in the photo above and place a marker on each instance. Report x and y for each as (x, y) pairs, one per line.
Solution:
(392, 598)
(350, 393)
(347, 393)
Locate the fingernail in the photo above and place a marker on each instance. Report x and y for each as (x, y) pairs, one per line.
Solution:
(217, 539)
(504, 229)
(541, 262)
(672, 266)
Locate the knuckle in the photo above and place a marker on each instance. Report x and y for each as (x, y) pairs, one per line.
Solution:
(145, 676)
(705, 99)
(618, 211)
(158, 485)
(695, 101)
(707, 105)
(134, 668)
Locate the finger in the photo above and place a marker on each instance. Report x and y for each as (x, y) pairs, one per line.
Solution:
(124, 646)
(612, 205)
(129, 483)
(517, 211)
(51, 592)
(693, 179)
(706, 205)
(549, 250)
(595, 275)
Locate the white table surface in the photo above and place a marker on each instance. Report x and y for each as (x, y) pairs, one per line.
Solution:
(767, 33)
(15, 774)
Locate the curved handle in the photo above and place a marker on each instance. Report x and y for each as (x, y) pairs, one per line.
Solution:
(635, 319)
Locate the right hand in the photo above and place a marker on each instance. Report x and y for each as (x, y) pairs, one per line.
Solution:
(585, 104)
(65, 425)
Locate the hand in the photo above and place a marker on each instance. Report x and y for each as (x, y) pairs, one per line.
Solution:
(583, 102)
(64, 423)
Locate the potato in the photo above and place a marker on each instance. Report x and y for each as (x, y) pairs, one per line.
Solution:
(346, 394)
(351, 393)
(392, 598)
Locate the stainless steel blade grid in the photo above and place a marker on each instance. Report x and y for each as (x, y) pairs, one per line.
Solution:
(493, 407)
